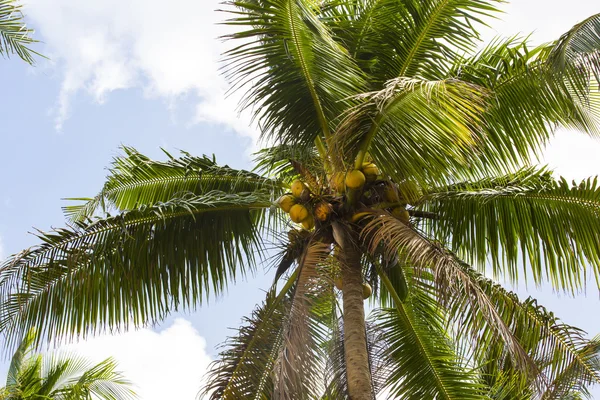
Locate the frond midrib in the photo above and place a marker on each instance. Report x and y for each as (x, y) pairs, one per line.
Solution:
(409, 59)
(403, 314)
(305, 70)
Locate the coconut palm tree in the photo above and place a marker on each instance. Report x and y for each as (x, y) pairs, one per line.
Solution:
(399, 168)
(15, 37)
(59, 376)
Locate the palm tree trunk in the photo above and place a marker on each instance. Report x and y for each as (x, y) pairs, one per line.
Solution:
(355, 338)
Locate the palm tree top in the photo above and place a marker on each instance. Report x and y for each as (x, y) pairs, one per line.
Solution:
(399, 168)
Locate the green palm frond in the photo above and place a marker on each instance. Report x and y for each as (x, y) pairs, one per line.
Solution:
(64, 376)
(299, 78)
(421, 355)
(528, 100)
(15, 37)
(425, 130)
(163, 257)
(527, 218)
(287, 162)
(563, 356)
(135, 180)
(436, 31)
(408, 38)
(579, 46)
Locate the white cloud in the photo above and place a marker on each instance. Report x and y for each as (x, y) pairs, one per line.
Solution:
(168, 49)
(165, 365)
(573, 155)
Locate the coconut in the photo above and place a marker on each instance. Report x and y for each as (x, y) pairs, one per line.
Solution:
(355, 179)
(286, 202)
(322, 211)
(401, 214)
(298, 213)
(366, 290)
(308, 223)
(370, 170)
(297, 188)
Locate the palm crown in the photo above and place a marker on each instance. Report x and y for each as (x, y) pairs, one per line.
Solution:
(407, 153)
(61, 377)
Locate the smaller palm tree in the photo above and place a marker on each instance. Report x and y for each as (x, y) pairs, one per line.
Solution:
(15, 37)
(60, 376)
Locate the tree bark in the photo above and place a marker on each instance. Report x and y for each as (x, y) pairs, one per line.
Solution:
(355, 339)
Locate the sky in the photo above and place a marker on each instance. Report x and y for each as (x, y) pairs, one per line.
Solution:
(145, 73)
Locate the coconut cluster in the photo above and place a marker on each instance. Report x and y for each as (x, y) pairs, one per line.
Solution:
(297, 205)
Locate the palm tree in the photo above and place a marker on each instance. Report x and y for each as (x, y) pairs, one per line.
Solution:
(61, 377)
(14, 34)
(408, 154)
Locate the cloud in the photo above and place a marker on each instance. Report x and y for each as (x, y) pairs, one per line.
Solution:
(165, 365)
(170, 50)
(573, 155)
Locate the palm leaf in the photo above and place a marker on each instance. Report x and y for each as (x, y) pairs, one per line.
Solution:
(579, 46)
(133, 268)
(299, 79)
(135, 180)
(526, 218)
(299, 367)
(15, 37)
(421, 354)
(559, 351)
(449, 277)
(425, 130)
(528, 101)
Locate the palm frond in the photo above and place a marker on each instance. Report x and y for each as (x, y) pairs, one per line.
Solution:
(422, 360)
(133, 268)
(59, 375)
(580, 46)
(15, 37)
(448, 276)
(270, 355)
(527, 101)
(298, 372)
(417, 129)
(527, 219)
(565, 359)
(135, 180)
(244, 368)
(286, 162)
(408, 38)
(299, 79)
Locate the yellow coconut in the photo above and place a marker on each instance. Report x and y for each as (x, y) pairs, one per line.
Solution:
(338, 282)
(286, 202)
(370, 170)
(322, 211)
(308, 223)
(355, 179)
(401, 214)
(338, 182)
(297, 188)
(366, 290)
(298, 213)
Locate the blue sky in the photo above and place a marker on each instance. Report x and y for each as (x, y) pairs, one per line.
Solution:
(138, 78)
